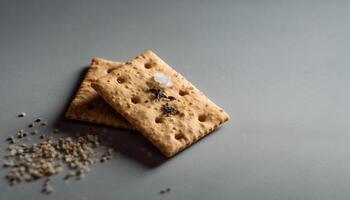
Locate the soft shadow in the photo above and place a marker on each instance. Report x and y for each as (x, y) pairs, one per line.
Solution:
(130, 144)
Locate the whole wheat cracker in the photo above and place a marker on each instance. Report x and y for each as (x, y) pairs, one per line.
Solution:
(88, 106)
(127, 90)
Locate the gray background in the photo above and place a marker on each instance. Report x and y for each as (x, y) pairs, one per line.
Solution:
(281, 69)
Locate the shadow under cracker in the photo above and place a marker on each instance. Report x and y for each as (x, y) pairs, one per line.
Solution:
(130, 144)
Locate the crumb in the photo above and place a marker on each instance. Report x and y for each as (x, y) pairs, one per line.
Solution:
(22, 114)
(47, 188)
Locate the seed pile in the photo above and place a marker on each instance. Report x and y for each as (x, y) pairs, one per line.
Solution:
(28, 162)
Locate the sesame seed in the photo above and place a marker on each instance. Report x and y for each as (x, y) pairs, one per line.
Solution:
(35, 132)
(10, 138)
(22, 114)
(37, 160)
(47, 188)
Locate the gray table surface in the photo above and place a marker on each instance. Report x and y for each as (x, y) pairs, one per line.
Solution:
(281, 69)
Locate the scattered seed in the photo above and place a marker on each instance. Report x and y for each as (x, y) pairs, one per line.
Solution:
(80, 176)
(58, 169)
(47, 188)
(10, 138)
(165, 191)
(28, 162)
(19, 135)
(31, 125)
(22, 114)
(37, 120)
(12, 152)
(8, 163)
(70, 174)
(43, 123)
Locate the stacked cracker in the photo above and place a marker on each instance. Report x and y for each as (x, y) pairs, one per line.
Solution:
(171, 117)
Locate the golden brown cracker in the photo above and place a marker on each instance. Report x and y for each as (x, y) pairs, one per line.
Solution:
(126, 89)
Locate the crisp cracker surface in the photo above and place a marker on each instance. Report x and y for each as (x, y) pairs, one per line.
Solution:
(125, 89)
(89, 106)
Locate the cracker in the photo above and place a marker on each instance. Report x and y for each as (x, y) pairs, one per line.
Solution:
(126, 89)
(89, 106)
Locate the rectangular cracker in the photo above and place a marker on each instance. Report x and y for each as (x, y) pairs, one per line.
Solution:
(126, 90)
(89, 106)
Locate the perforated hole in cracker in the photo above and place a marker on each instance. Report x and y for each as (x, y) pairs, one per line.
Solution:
(149, 65)
(202, 118)
(110, 70)
(135, 100)
(183, 92)
(121, 79)
(158, 120)
(179, 136)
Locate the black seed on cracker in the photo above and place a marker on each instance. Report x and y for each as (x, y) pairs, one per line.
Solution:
(169, 109)
(37, 120)
(31, 125)
(157, 92)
